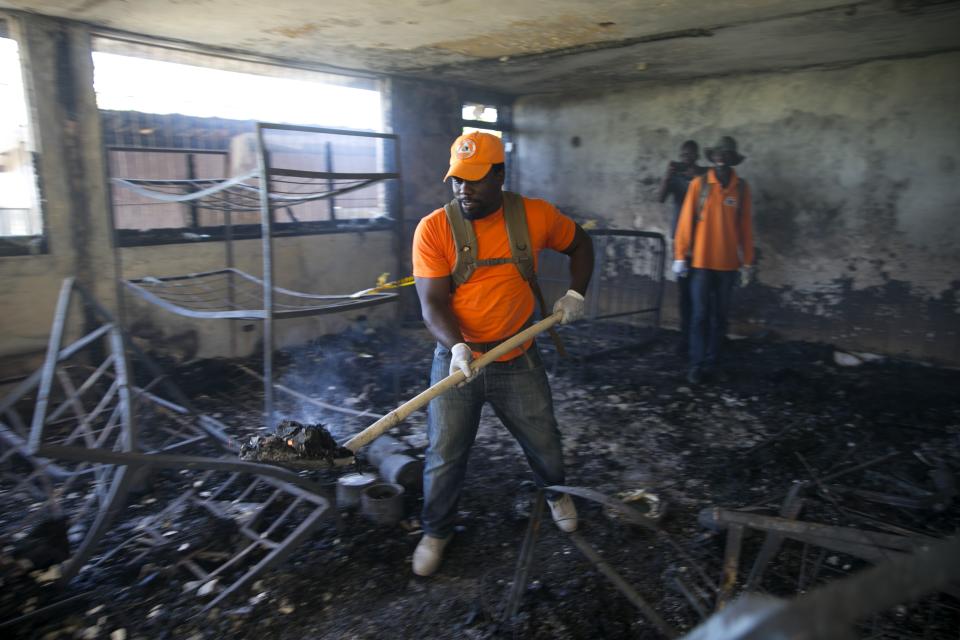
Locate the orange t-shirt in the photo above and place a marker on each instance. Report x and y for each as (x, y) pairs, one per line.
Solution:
(723, 235)
(495, 302)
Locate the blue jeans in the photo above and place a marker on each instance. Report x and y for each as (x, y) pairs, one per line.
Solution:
(685, 303)
(520, 395)
(710, 293)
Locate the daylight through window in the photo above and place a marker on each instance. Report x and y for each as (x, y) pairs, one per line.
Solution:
(189, 119)
(19, 209)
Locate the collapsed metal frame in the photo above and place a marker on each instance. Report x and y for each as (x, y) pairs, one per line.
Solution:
(109, 424)
(525, 558)
(225, 488)
(92, 424)
(830, 611)
(625, 296)
(907, 567)
(267, 203)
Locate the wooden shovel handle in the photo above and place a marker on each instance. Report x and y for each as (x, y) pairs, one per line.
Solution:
(397, 416)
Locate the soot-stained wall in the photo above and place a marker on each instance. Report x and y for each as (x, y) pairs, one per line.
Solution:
(426, 116)
(854, 174)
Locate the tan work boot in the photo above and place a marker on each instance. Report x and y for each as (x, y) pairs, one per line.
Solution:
(428, 554)
(564, 513)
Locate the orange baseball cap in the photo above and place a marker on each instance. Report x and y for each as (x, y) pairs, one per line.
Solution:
(472, 155)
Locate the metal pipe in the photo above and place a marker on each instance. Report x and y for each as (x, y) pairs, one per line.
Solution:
(691, 597)
(50, 364)
(526, 555)
(731, 563)
(622, 585)
(266, 243)
(771, 544)
(228, 251)
(176, 461)
(716, 518)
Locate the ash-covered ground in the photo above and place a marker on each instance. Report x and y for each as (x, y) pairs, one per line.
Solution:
(787, 414)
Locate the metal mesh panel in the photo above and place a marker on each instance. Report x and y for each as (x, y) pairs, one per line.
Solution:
(134, 210)
(360, 157)
(625, 294)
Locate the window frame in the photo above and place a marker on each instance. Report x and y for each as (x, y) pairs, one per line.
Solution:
(504, 125)
(34, 244)
(197, 233)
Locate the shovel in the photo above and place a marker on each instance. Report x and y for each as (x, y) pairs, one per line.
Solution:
(399, 414)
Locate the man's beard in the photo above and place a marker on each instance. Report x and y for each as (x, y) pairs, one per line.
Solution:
(477, 213)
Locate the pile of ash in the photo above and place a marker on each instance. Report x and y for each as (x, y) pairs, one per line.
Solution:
(292, 442)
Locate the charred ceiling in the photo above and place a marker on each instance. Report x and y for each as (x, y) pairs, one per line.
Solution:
(521, 48)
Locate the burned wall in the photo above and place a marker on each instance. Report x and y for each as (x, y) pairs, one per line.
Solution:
(426, 116)
(853, 173)
(58, 76)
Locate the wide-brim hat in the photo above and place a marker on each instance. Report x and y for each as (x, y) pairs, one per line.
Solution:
(472, 155)
(726, 143)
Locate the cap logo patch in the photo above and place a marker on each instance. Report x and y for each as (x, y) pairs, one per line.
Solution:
(466, 149)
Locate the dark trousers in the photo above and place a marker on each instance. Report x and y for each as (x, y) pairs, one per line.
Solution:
(520, 395)
(685, 301)
(710, 294)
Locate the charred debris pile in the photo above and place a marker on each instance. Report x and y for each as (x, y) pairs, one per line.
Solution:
(794, 474)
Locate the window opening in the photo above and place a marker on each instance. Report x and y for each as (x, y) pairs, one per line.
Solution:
(150, 86)
(188, 118)
(479, 112)
(21, 223)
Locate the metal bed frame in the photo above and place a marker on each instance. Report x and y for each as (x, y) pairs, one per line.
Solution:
(231, 293)
(625, 295)
(95, 433)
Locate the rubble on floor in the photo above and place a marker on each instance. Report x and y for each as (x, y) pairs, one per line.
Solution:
(791, 439)
(293, 441)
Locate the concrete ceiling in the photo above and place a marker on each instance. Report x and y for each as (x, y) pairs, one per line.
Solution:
(522, 46)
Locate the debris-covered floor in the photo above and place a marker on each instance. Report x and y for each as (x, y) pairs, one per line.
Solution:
(788, 414)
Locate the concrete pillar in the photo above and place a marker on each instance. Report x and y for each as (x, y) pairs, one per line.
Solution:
(58, 77)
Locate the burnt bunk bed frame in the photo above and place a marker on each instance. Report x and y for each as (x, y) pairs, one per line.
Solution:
(230, 293)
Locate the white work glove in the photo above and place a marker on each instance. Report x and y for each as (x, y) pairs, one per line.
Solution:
(460, 357)
(573, 306)
(748, 274)
(680, 268)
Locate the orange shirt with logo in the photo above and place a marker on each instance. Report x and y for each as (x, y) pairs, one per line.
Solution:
(495, 302)
(723, 235)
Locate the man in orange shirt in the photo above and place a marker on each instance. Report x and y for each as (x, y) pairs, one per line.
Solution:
(713, 242)
(491, 305)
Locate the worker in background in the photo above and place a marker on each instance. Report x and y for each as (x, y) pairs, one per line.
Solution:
(713, 243)
(471, 311)
(675, 183)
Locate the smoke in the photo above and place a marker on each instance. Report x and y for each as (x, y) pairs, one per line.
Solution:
(343, 371)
